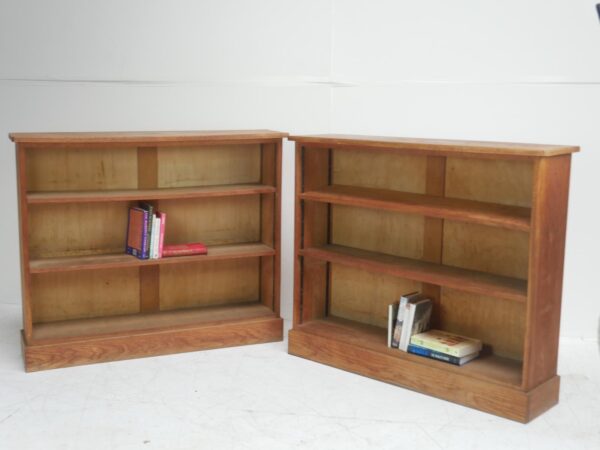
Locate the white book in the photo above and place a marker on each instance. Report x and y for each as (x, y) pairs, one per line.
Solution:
(416, 320)
(400, 317)
(404, 300)
(153, 238)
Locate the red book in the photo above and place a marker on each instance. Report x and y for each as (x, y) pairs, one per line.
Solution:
(195, 248)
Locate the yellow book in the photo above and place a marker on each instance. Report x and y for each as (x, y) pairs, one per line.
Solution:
(448, 343)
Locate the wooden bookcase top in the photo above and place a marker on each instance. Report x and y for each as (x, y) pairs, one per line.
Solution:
(142, 137)
(438, 146)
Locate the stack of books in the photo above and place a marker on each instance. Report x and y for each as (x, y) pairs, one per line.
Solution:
(146, 235)
(408, 330)
(444, 346)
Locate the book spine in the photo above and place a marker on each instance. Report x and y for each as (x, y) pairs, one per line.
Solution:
(157, 236)
(161, 237)
(392, 314)
(416, 350)
(183, 251)
(435, 346)
(144, 251)
(409, 316)
(150, 209)
(397, 334)
(154, 238)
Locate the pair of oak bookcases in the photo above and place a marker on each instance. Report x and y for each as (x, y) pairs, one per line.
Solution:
(477, 226)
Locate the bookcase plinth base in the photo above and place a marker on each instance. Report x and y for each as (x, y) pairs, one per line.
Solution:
(495, 398)
(140, 344)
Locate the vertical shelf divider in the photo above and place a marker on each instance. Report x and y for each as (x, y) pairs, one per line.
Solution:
(435, 184)
(147, 173)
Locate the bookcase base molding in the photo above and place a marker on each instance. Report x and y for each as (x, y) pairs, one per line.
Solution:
(267, 328)
(409, 371)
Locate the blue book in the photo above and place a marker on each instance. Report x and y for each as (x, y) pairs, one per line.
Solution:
(428, 353)
(137, 233)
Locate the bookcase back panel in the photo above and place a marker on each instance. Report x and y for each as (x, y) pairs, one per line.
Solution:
(72, 169)
(84, 294)
(208, 165)
(212, 221)
(77, 229)
(355, 167)
(486, 249)
(377, 230)
(209, 283)
(364, 296)
(503, 181)
(498, 323)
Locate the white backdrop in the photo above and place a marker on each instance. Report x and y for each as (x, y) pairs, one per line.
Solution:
(468, 69)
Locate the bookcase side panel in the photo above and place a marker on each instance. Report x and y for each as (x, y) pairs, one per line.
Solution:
(208, 165)
(81, 168)
(547, 252)
(277, 231)
(21, 160)
(298, 230)
(268, 221)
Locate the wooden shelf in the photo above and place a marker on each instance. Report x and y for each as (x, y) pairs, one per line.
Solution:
(511, 217)
(148, 194)
(426, 272)
(82, 329)
(111, 261)
(489, 367)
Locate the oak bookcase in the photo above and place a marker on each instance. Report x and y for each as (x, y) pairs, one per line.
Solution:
(477, 226)
(86, 301)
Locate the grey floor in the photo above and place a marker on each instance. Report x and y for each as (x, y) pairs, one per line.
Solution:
(259, 397)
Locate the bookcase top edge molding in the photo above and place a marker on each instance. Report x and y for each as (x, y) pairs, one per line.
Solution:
(438, 146)
(141, 137)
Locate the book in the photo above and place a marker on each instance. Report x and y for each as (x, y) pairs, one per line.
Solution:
(154, 239)
(195, 248)
(150, 208)
(428, 353)
(137, 232)
(448, 343)
(416, 320)
(400, 317)
(392, 314)
(161, 233)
